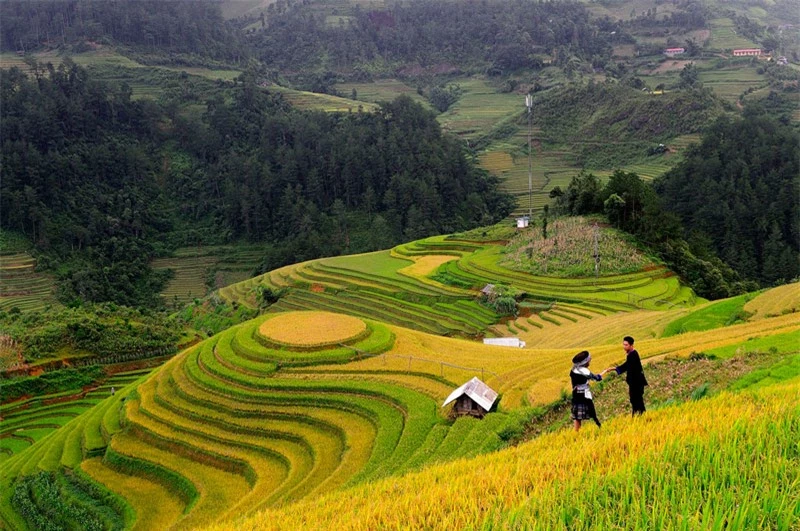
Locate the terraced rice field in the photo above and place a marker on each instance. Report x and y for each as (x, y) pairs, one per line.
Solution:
(549, 168)
(480, 109)
(730, 83)
(27, 421)
(312, 101)
(21, 286)
(243, 421)
(552, 166)
(101, 56)
(400, 287)
(724, 36)
(381, 90)
(776, 301)
(679, 467)
(291, 407)
(195, 267)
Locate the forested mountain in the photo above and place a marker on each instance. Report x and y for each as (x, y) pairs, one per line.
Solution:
(177, 26)
(108, 182)
(740, 189)
(472, 35)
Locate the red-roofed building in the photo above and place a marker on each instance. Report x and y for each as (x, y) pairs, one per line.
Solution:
(674, 51)
(744, 52)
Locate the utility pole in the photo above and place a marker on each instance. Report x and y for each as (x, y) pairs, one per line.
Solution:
(529, 105)
(596, 253)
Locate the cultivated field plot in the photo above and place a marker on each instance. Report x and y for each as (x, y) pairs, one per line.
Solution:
(550, 167)
(245, 421)
(480, 109)
(227, 75)
(21, 286)
(776, 301)
(627, 10)
(381, 90)
(553, 165)
(730, 83)
(404, 287)
(312, 101)
(198, 269)
(237, 8)
(25, 422)
(724, 36)
(100, 56)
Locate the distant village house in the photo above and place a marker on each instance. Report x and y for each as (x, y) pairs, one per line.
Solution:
(672, 52)
(474, 398)
(522, 222)
(745, 52)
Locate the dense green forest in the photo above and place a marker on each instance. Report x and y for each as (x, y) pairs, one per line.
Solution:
(182, 30)
(467, 36)
(739, 188)
(103, 183)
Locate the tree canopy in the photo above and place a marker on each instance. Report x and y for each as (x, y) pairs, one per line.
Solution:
(94, 177)
(739, 188)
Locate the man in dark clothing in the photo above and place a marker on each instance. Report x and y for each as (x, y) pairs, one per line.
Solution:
(634, 376)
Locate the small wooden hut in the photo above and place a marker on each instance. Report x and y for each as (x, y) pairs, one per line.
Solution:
(474, 398)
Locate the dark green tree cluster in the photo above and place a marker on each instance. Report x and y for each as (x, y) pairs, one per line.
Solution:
(740, 189)
(688, 15)
(182, 26)
(77, 180)
(499, 37)
(322, 184)
(102, 183)
(99, 330)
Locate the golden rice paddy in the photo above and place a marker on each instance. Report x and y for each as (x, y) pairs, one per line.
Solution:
(777, 301)
(312, 328)
(425, 265)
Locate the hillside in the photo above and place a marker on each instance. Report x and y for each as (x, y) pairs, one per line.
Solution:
(293, 404)
(267, 413)
(248, 248)
(679, 467)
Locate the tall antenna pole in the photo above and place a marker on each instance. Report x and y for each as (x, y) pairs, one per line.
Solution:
(529, 105)
(596, 252)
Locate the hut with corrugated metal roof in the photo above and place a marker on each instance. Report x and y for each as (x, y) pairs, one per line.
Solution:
(474, 398)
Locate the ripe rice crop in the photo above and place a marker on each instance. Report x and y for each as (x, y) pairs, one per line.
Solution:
(601, 330)
(685, 467)
(776, 301)
(426, 264)
(310, 329)
(139, 493)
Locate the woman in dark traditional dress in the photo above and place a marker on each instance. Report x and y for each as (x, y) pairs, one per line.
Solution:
(582, 403)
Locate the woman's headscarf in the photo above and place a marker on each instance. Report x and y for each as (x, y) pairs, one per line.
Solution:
(582, 359)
